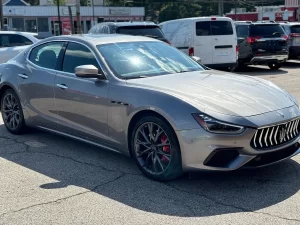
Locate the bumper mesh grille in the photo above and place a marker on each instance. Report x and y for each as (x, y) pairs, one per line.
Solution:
(277, 135)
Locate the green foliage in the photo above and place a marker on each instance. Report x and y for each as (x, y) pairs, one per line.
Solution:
(61, 2)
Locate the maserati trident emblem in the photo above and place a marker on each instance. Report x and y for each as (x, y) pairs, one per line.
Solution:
(282, 135)
(280, 114)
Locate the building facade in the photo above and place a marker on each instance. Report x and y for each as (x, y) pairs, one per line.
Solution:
(288, 12)
(44, 19)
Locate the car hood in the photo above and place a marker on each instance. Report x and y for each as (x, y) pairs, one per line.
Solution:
(225, 93)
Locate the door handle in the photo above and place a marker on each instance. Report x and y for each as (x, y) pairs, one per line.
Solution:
(62, 86)
(22, 75)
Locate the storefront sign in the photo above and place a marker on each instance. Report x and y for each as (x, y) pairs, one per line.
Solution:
(13, 12)
(120, 11)
(66, 27)
(65, 11)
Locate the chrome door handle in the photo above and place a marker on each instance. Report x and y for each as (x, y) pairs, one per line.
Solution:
(24, 76)
(62, 86)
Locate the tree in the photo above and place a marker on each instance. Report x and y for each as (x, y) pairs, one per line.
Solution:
(61, 2)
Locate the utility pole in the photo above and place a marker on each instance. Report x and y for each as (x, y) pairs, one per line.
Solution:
(58, 14)
(93, 5)
(78, 17)
(235, 9)
(71, 19)
(1, 15)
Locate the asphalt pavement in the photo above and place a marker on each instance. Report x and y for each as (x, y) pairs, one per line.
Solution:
(47, 179)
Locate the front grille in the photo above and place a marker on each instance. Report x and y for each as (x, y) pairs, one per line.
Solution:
(273, 136)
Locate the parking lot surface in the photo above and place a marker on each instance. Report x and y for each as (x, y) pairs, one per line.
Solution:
(48, 179)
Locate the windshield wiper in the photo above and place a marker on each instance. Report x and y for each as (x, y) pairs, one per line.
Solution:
(151, 36)
(136, 77)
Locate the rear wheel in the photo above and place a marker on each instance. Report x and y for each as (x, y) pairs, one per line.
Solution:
(156, 150)
(274, 66)
(12, 113)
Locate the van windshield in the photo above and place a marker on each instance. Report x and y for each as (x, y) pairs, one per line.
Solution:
(208, 28)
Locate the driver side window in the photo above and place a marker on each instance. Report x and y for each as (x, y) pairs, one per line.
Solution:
(78, 55)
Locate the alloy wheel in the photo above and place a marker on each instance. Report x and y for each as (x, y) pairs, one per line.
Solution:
(152, 148)
(11, 111)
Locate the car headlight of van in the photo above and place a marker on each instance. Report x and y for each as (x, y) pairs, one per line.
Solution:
(214, 126)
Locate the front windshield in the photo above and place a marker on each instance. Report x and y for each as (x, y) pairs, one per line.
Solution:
(131, 60)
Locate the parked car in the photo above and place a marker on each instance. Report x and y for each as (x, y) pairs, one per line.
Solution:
(293, 31)
(262, 44)
(12, 43)
(213, 39)
(148, 29)
(145, 98)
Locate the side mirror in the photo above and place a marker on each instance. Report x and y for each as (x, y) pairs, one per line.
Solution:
(197, 59)
(89, 71)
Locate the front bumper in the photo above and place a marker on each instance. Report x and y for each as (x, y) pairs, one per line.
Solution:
(262, 60)
(205, 151)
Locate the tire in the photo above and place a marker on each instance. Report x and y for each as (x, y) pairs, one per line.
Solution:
(274, 66)
(12, 113)
(158, 159)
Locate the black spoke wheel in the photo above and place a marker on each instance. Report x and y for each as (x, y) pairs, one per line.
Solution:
(156, 149)
(274, 66)
(12, 113)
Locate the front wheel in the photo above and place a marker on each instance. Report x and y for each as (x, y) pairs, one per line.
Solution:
(12, 113)
(156, 150)
(274, 66)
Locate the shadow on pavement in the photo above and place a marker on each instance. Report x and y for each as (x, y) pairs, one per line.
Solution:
(116, 177)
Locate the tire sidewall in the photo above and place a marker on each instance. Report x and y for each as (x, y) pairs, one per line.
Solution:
(21, 125)
(175, 168)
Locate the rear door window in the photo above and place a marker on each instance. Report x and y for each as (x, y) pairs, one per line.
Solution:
(203, 28)
(46, 55)
(242, 30)
(295, 29)
(266, 30)
(216, 28)
(152, 31)
(221, 28)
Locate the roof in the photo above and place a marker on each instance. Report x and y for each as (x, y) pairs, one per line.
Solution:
(17, 32)
(16, 3)
(101, 39)
(199, 18)
(125, 24)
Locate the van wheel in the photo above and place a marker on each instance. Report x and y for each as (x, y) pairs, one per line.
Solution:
(274, 66)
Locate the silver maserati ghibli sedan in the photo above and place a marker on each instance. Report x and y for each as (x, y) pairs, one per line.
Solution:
(142, 97)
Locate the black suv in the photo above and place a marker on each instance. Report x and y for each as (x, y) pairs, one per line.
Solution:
(262, 43)
(148, 29)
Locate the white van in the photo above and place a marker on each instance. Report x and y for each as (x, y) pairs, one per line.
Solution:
(213, 39)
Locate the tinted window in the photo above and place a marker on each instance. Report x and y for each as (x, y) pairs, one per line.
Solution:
(266, 30)
(221, 28)
(46, 55)
(242, 30)
(295, 29)
(135, 59)
(12, 40)
(203, 28)
(77, 55)
(207, 28)
(141, 31)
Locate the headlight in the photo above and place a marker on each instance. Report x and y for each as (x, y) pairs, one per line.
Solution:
(214, 126)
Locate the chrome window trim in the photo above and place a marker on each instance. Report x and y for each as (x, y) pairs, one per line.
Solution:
(60, 71)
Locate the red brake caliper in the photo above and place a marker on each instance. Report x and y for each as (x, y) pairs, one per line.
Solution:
(165, 148)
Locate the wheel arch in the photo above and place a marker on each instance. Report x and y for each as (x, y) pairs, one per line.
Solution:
(5, 87)
(136, 117)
